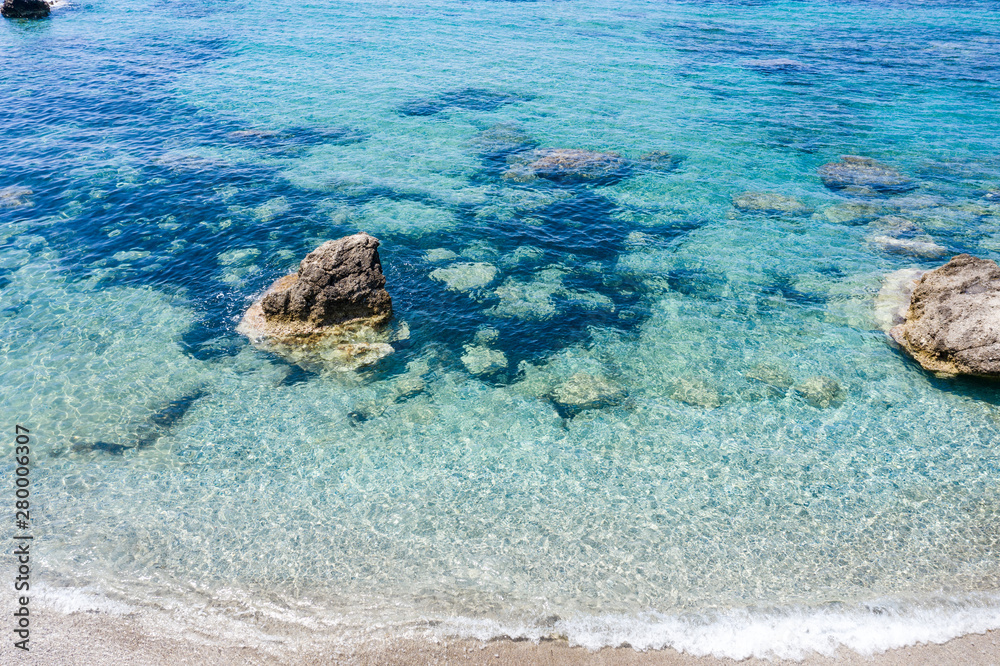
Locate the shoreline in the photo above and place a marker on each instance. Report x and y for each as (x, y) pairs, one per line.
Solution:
(97, 638)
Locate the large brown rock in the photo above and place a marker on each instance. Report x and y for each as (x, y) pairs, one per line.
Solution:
(337, 282)
(863, 174)
(331, 311)
(953, 323)
(19, 9)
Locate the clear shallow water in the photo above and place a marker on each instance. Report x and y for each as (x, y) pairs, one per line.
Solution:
(748, 522)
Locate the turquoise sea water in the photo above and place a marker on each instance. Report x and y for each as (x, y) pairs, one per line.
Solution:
(181, 471)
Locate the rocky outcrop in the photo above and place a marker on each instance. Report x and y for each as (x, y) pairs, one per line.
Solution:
(24, 9)
(568, 165)
(331, 311)
(863, 175)
(952, 325)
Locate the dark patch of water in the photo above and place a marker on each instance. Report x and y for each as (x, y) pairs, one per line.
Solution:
(470, 99)
(783, 285)
(697, 282)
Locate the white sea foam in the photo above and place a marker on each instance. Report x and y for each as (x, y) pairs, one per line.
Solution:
(69, 600)
(794, 634)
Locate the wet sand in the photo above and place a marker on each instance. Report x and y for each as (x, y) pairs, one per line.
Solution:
(96, 639)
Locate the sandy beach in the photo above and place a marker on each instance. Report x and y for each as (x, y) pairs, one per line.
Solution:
(96, 639)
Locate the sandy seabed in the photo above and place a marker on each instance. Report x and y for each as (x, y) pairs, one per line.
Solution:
(96, 639)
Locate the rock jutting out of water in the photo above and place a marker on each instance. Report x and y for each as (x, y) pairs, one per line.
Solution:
(568, 165)
(863, 175)
(952, 325)
(770, 203)
(24, 9)
(331, 312)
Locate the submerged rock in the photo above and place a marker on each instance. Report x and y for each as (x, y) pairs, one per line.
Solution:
(895, 225)
(820, 391)
(331, 311)
(466, 276)
(893, 299)
(487, 335)
(774, 375)
(568, 165)
(952, 325)
(864, 173)
(21, 9)
(770, 203)
(15, 197)
(918, 201)
(529, 300)
(696, 392)
(501, 140)
(481, 360)
(913, 247)
(898, 235)
(524, 254)
(292, 138)
(657, 161)
(160, 424)
(849, 213)
(439, 254)
(587, 391)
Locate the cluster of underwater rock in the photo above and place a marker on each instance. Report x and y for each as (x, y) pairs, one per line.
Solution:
(335, 311)
(948, 319)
